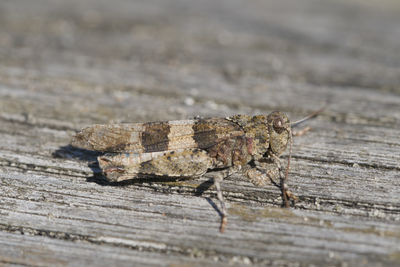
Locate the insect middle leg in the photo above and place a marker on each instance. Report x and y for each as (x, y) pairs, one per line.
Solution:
(271, 172)
(177, 163)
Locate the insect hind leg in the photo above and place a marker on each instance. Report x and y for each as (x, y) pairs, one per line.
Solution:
(172, 163)
(218, 178)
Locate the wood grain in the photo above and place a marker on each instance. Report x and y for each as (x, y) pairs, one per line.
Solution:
(65, 65)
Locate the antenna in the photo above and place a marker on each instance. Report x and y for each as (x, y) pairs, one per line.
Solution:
(312, 115)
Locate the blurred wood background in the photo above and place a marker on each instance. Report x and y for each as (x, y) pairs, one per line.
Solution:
(68, 64)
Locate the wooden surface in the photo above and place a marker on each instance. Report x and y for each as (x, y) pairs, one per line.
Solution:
(68, 64)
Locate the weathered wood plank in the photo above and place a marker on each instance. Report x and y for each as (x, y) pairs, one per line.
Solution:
(66, 65)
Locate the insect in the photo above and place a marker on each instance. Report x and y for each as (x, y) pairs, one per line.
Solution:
(191, 148)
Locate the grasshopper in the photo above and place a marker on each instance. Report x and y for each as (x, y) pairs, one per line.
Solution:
(191, 148)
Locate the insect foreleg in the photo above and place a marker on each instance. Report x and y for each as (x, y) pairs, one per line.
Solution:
(286, 194)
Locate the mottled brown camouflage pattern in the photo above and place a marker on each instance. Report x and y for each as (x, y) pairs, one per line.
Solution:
(185, 148)
(190, 148)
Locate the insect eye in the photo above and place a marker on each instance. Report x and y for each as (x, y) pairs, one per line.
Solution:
(279, 124)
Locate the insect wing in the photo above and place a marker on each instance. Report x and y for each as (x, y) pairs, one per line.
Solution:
(156, 136)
